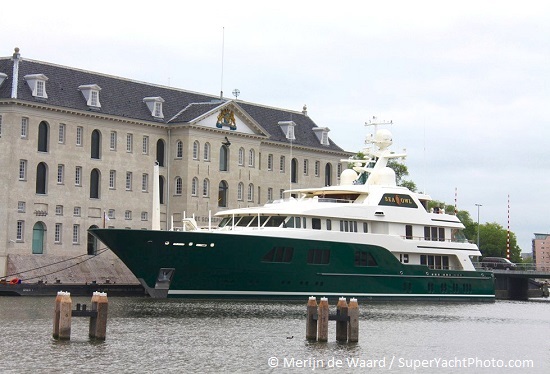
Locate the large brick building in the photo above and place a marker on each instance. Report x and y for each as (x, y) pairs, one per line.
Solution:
(76, 146)
(541, 252)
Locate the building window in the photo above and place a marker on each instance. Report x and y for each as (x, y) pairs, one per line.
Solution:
(270, 162)
(111, 214)
(222, 194)
(60, 173)
(112, 179)
(179, 186)
(306, 167)
(128, 181)
(154, 104)
(0, 125)
(250, 192)
(20, 231)
(206, 152)
(196, 149)
(37, 83)
(144, 182)
(24, 127)
(21, 206)
(41, 178)
(317, 168)
(95, 149)
(94, 184)
(194, 186)
(224, 158)
(128, 215)
(205, 188)
(294, 170)
(61, 135)
(158, 110)
(76, 211)
(76, 234)
(78, 176)
(145, 145)
(269, 194)
(22, 170)
(251, 158)
(328, 175)
(59, 210)
(94, 99)
(79, 134)
(144, 216)
(57, 233)
(281, 193)
(179, 149)
(160, 152)
(43, 137)
(240, 191)
(112, 141)
(129, 143)
(282, 164)
(241, 156)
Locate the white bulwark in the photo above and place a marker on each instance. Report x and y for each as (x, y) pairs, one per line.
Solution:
(78, 149)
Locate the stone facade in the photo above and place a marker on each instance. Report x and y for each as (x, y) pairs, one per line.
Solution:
(77, 147)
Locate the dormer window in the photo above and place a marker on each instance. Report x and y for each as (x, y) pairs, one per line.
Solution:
(91, 94)
(322, 134)
(37, 83)
(154, 104)
(2, 78)
(288, 129)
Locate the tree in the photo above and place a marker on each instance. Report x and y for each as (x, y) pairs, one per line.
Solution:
(492, 242)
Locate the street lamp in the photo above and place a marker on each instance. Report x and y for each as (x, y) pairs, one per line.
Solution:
(478, 205)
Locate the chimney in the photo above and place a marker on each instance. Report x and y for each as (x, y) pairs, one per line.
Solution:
(15, 80)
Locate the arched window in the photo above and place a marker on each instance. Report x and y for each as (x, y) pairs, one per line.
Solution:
(161, 189)
(179, 149)
(95, 150)
(328, 174)
(250, 192)
(240, 191)
(43, 137)
(206, 152)
(194, 186)
(241, 156)
(179, 186)
(94, 184)
(205, 187)
(160, 152)
(224, 158)
(41, 178)
(222, 194)
(251, 158)
(196, 150)
(294, 171)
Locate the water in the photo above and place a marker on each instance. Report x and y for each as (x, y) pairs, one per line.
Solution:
(145, 335)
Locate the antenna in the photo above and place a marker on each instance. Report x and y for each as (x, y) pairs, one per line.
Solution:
(223, 48)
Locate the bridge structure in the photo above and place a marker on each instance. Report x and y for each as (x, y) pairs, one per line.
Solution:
(520, 284)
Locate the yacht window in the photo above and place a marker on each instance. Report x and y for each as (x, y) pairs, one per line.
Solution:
(316, 223)
(365, 227)
(244, 221)
(275, 221)
(224, 222)
(363, 258)
(329, 224)
(279, 254)
(408, 231)
(318, 256)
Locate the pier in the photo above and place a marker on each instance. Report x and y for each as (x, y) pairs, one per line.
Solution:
(346, 317)
(519, 284)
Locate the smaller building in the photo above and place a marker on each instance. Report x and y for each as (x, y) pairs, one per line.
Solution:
(541, 252)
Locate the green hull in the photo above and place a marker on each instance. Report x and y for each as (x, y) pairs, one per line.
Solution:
(222, 265)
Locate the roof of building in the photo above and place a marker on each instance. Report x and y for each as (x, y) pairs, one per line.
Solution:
(124, 98)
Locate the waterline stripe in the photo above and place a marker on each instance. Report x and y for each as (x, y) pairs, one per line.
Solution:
(284, 293)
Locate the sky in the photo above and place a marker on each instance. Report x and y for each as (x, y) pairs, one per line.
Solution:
(465, 83)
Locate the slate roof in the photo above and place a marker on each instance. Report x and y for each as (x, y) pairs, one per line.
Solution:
(124, 98)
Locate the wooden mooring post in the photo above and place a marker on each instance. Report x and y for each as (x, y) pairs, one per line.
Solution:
(63, 313)
(346, 317)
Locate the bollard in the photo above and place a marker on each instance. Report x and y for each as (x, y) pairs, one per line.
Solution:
(342, 320)
(311, 326)
(62, 316)
(98, 324)
(322, 320)
(353, 325)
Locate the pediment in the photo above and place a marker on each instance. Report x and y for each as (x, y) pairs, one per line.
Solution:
(228, 116)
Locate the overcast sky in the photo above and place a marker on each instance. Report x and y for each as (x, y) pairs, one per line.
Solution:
(466, 83)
